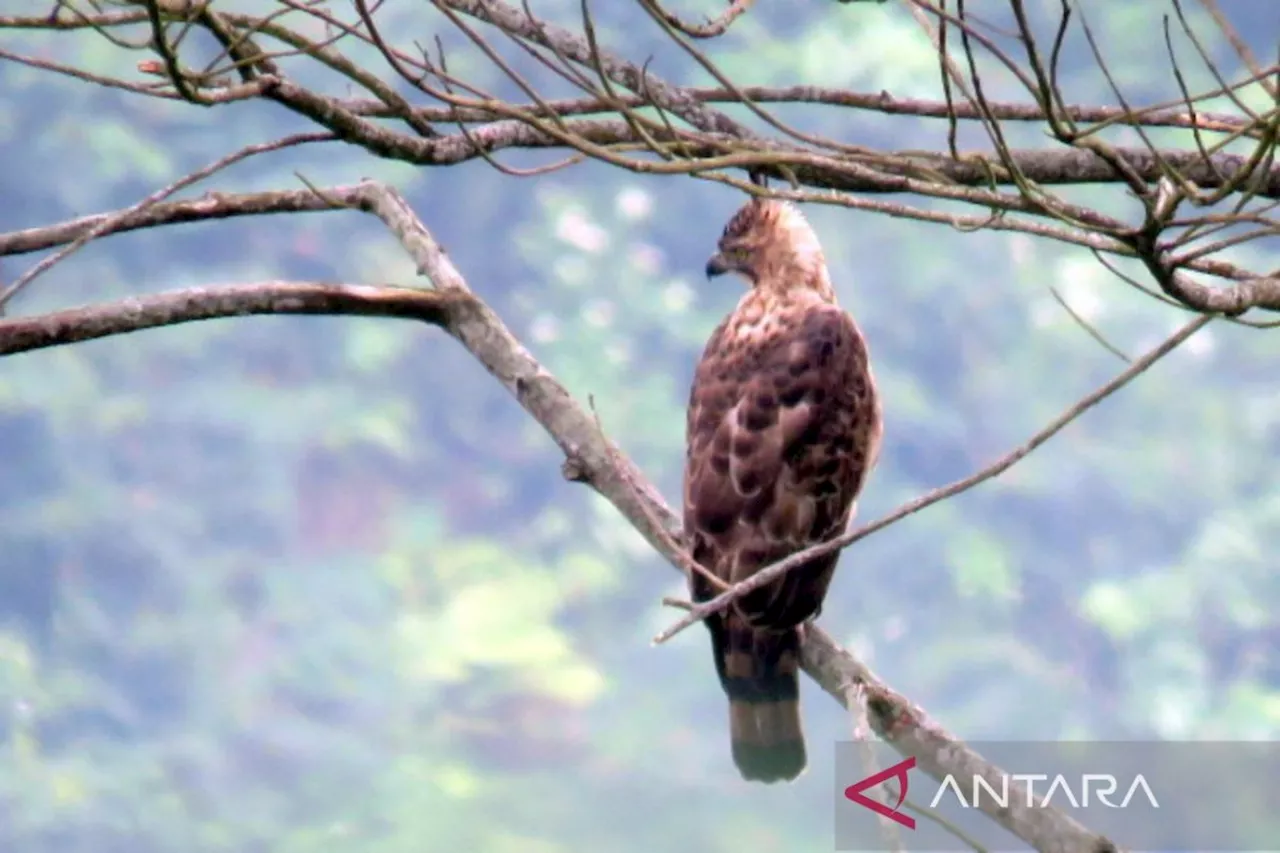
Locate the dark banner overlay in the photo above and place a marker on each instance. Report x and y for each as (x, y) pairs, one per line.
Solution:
(1144, 796)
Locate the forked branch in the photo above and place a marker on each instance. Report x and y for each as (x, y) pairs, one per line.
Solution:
(451, 306)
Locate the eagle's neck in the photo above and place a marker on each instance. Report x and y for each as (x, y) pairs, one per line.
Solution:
(763, 311)
(794, 258)
(793, 266)
(792, 277)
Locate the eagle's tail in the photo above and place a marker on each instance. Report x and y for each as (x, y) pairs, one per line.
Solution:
(759, 672)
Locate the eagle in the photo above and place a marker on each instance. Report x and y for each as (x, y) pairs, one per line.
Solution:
(784, 425)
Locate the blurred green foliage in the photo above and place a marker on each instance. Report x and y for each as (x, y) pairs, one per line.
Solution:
(300, 584)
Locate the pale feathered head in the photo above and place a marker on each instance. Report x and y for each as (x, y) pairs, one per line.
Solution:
(768, 240)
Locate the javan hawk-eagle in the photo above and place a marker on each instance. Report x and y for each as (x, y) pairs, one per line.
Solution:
(784, 425)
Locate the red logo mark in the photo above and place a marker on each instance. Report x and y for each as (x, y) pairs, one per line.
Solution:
(898, 771)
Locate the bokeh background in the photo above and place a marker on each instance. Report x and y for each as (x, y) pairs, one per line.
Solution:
(316, 584)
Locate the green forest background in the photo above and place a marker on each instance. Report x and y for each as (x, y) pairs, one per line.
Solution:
(316, 584)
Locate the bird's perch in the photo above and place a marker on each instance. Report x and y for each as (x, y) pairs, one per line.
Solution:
(591, 457)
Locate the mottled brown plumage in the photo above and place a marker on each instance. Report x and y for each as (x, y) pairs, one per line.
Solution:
(783, 427)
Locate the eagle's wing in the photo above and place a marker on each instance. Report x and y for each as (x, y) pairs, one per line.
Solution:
(781, 436)
(782, 432)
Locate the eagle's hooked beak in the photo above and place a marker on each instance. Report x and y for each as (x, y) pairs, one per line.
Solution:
(717, 265)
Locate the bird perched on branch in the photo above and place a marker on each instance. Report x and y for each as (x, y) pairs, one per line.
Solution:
(784, 425)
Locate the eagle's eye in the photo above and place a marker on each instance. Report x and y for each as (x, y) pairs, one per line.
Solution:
(736, 253)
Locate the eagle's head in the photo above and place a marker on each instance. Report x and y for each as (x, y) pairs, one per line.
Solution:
(769, 241)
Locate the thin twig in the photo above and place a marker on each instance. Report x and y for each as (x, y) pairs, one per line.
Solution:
(714, 26)
(129, 212)
(771, 573)
(1089, 327)
(1240, 46)
(855, 703)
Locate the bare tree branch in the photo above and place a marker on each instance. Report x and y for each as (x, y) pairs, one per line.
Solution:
(216, 205)
(23, 334)
(714, 26)
(645, 124)
(1225, 178)
(107, 224)
(592, 457)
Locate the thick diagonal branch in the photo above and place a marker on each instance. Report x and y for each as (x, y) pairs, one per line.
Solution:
(453, 307)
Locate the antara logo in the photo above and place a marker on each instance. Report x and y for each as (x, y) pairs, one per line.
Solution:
(898, 771)
(1092, 788)
(1100, 785)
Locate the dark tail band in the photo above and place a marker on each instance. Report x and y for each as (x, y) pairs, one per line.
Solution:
(759, 673)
